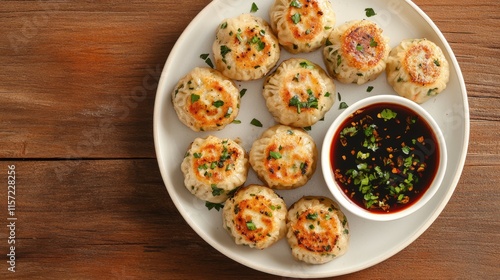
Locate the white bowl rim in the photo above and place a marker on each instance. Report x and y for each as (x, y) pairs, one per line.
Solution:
(328, 174)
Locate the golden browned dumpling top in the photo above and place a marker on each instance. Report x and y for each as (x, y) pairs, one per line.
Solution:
(356, 51)
(417, 69)
(302, 25)
(317, 230)
(206, 100)
(214, 167)
(284, 157)
(299, 93)
(255, 216)
(245, 48)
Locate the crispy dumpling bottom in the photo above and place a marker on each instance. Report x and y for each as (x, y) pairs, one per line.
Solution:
(302, 25)
(214, 167)
(355, 52)
(206, 100)
(417, 69)
(284, 157)
(317, 230)
(255, 216)
(245, 48)
(299, 93)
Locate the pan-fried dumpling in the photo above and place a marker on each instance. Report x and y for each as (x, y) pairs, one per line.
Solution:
(245, 48)
(355, 52)
(302, 25)
(299, 93)
(417, 69)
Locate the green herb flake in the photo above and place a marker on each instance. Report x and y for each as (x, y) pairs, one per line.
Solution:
(211, 205)
(296, 4)
(275, 155)
(296, 18)
(224, 50)
(343, 105)
(256, 122)
(242, 92)
(437, 63)
(236, 121)
(373, 43)
(359, 47)
(370, 12)
(327, 94)
(388, 114)
(218, 103)
(194, 98)
(254, 8)
(312, 216)
(251, 225)
(369, 89)
(197, 155)
(216, 191)
(223, 25)
(306, 65)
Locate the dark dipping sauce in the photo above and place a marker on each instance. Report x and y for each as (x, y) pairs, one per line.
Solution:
(384, 157)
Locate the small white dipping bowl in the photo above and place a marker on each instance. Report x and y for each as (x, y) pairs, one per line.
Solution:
(327, 157)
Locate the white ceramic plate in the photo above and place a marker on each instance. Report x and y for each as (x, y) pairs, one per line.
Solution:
(371, 242)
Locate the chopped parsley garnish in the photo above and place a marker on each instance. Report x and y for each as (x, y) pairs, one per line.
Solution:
(223, 25)
(242, 92)
(251, 225)
(296, 18)
(224, 50)
(388, 114)
(256, 122)
(254, 8)
(369, 89)
(370, 12)
(206, 58)
(312, 216)
(312, 102)
(275, 155)
(343, 105)
(236, 121)
(216, 191)
(327, 94)
(259, 44)
(296, 4)
(194, 98)
(211, 205)
(306, 65)
(373, 43)
(197, 155)
(359, 47)
(218, 103)
(436, 62)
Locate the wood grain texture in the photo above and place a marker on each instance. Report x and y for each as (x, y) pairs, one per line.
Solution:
(77, 91)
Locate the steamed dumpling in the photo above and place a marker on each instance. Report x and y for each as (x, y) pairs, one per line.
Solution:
(417, 69)
(355, 52)
(302, 25)
(245, 48)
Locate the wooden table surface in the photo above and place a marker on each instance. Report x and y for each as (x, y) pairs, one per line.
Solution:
(77, 90)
